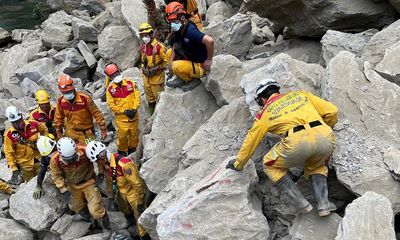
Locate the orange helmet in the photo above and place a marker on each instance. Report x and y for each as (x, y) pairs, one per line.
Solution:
(65, 83)
(173, 9)
(111, 69)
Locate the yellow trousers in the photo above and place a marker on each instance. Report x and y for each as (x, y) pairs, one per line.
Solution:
(311, 147)
(187, 70)
(87, 193)
(79, 136)
(152, 90)
(135, 199)
(5, 188)
(29, 170)
(127, 134)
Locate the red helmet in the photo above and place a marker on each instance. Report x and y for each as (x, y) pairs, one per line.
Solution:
(173, 9)
(111, 69)
(65, 83)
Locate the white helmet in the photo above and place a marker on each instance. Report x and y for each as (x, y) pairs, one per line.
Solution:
(67, 147)
(264, 84)
(13, 113)
(93, 149)
(45, 145)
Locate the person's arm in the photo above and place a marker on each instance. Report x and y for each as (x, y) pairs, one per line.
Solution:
(171, 60)
(58, 121)
(163, 56)
(44, 164)
(9, 151)
(136, 101)
(131, 174)
(5, 188)
(57, 175)
(209, 42)
(326, 110)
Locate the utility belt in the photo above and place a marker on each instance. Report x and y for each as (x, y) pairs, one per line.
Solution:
(302, 127)
(152, 71)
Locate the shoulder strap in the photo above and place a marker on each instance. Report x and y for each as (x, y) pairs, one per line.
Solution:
(114, 169)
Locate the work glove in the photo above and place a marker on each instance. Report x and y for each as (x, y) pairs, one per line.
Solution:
(38, 193)
(231, 165)
(99, 179)
(16, 178)
(130, 113)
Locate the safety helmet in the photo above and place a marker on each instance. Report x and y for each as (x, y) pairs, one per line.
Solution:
(42, 97)
(93, 149)
(173, 9)
(13, 113)
(65, 83)
(111, 69)
(262, 86)
(145, 28)
(67, 147)
(45, 145)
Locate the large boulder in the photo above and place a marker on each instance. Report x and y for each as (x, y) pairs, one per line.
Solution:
(57, 31)
(11, 229)
(224, 192)
(314, 18)
(40, 214)
(35, 70)
(118, 44)
(5, 36)
(312, 227)
(395, 4)
(94, 7)
(134, 18)
(387, 68)
(368, 217)
(219, 12)
(71, 62)
(112, 16)
(66, 5)
(84, 30)
(232, 36)
(87, 54)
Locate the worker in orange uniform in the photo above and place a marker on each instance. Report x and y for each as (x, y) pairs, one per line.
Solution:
(75, 112)
(123, 98)
(154, 59)
(72, 171)
(125, 179)
(304, 123)
(191, 8)
(20, 145)
(44, 113)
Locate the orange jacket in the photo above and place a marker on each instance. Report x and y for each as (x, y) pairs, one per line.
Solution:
(40, 116)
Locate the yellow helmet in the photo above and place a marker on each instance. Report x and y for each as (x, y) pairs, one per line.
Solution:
(42, 97)
(145, 28)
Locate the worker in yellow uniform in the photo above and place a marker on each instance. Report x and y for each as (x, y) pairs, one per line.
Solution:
(44, 113)
(72, 171)
(154, 59)
(123, 98)
(191, 8)
(125, 179)
(75, 112)
(20, 145)
(304, 123)
(4, 188)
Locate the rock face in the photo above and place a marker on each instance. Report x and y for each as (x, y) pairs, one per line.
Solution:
(5, 36)
(118, 44)
(232, 36)
(395, 4)
(387, 67)
(312, 227)
(11, 229)
(84, 30)
(134, 18)
(87, 54)
(197, 214)
(57, 31)
(112, 16)
(39, 214)
(368, 217)
(218, 12)
(314, 18)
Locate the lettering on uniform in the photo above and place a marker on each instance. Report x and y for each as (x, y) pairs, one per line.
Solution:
(275, 117)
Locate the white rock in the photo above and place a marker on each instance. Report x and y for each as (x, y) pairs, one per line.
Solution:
(387, 68)
(87, 54)
(11, 229)
(84, 30)
(219, 12)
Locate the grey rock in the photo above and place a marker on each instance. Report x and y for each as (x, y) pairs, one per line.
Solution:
(57, 31)
(112, 16)
(134, 18)
(118, 44)
(39, 55)
(76, 230)
(71, 62)
(87, 54)
(39, 214)
(395, 4)
(5, 36)
(82, 14)
(232, 36)
(99, 236)
(314, 18)
(36, 70)
(99, 74)
(94, 7)
(334, 41)
(219, 12)
(5, 172)
(11, 229)
(117, 220)
(62, 224)
(368, 217)
(387, 67)
(84, 30)
(66, 5)
(19, 34)
(261, 35)
(29, 87)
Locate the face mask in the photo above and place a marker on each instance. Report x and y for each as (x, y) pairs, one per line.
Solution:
(69, 96)
(176, 26)
(146, 40)
(118, 79)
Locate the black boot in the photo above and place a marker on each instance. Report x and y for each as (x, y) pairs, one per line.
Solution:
(192, 84)
(130, 218)
(123, 153)
(145, 237)
(152, 107)
(177, 82)
(287, 186)
(83, 215)
(105, 223)
(320, 187)
(131, 150)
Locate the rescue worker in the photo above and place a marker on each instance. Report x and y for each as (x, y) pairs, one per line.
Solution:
(71, 170)
(123, 98)
(190, 7)
(4, 188)
(75, 112)
(192, 50)
(304, 122)
(125, 179)
(20, 145)
(154, 60)
(47, 149)
(44, 113)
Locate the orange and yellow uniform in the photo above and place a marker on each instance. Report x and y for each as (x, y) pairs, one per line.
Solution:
(40, 116)
(5, 188)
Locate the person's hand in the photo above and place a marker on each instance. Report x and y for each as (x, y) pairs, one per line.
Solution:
(16, 178)
(207, 64)
(103, 134)
(231, 165)
(38, 193)
(130, 113)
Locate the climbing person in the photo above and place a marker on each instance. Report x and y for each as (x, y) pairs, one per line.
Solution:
(20, 145)
(304, 122)
(44, 113)
(5, 188)
(46, 148)
(125, 179)
(192, 50)
(154, 60)
(123, 98)
(190, 7)
(75, 112)
(71, 170)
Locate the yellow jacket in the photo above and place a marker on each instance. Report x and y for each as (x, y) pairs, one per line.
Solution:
(78, 115)
(281, 113)
(159, 52)
(5, 188)
(123, 98)
(20, 147)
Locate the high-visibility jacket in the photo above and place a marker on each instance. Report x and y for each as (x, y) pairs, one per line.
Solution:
(77, 115)
(281, 113)
(123, 98)
(154, 56)
(20, 146)
(40, 116)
